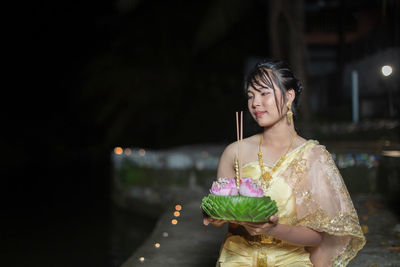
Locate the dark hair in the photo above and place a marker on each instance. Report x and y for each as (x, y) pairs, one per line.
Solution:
(278, 71)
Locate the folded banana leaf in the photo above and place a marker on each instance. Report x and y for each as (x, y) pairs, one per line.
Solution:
(239, 208)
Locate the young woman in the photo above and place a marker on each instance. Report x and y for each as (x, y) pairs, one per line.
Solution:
(316, 223)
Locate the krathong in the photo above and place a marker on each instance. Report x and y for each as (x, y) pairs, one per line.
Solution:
(225, 203)
(238, 199)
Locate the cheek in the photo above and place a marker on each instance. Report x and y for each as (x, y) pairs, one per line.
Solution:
(270, 102)
(271, 106)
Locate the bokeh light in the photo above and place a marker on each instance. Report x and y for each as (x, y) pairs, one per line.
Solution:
(118, 150)
(157, 245)
(177, 213)
(174, 221)
(178, 207)
(142, 152)
(391, 153)
(386, 70)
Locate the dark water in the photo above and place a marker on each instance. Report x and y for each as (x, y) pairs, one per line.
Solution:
(84, 238)
(57, 212)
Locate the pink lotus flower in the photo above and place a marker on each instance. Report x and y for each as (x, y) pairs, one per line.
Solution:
(250, 188)
(224, 187)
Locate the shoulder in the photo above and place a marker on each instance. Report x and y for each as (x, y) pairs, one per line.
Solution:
(306, 147)
(317, 149)
(318, 153)
(247, 147)
(247, 143)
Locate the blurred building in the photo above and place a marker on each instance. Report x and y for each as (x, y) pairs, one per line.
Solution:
(343, 36)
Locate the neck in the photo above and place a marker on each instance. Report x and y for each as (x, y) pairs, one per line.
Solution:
(278, 134)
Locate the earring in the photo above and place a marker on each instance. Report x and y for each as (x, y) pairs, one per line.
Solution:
(289, 113)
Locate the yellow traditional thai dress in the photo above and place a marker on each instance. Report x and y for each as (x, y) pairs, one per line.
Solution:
(309, 191)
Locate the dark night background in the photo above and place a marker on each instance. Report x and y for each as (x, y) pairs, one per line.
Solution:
(86, 77)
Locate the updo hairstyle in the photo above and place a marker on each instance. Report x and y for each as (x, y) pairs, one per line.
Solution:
(278, 71)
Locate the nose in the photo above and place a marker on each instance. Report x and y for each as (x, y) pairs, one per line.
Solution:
(256, 101)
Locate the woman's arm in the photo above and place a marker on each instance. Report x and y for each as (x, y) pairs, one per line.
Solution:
(225, 169)
(297, 235)
(208, 220)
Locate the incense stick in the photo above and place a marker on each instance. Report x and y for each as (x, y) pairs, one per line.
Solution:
(237, 127)
(241, 139)
(237, 163)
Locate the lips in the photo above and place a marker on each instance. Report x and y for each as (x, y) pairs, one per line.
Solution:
(259, 113)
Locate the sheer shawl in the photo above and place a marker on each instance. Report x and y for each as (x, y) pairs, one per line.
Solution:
(324, 204)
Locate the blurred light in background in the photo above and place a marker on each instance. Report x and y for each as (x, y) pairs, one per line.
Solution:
(142, 152)
(157, 245)
(128, 151)
(178, 207)
(391, 153)
(118, 150)
(141, 259)
(386, 70)
(177, 213)
(174, 221)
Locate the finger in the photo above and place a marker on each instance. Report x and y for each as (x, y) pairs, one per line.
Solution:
(251, 224)
(274, 219)
(254, 232)
(251, 230)
(207, 221)
(238, 222)
(219, 222)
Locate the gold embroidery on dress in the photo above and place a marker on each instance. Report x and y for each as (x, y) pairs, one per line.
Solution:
(307, 173)
(338, 224)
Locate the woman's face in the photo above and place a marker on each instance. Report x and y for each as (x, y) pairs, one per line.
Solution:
(262, 105)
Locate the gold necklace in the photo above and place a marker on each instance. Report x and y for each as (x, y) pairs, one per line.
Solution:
(267, 175)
